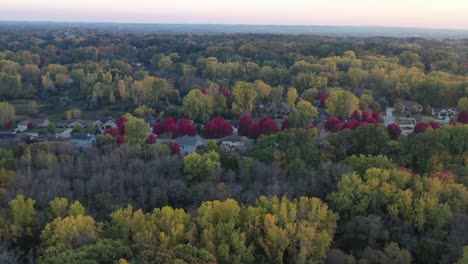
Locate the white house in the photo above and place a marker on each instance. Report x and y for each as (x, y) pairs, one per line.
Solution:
(104, 123)
(444, 112)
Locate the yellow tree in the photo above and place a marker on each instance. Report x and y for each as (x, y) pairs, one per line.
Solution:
(341, 102)
(245, 97)
(303, 114)
(198, 106)
(7, 113)
(291, 97)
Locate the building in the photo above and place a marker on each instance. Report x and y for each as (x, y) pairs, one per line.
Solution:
(72, 123)
(444, 112)
(34, 123)
(189, 144)
(82, 140)
(240, 143)
(104, 123)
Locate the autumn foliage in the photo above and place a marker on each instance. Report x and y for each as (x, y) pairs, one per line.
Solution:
(245, 122)
(463, 117)
(394, 130)
(333, 124)
(171, 128)
(218, 128)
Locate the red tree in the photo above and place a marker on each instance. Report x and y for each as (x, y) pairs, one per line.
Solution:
(434, 125)
(121, 124)
(158, 128)
(322, 97)
(285, 124)
(394, 130)
(175, 149)
(225, 91)
(365, 116)
(151, 139)
(245, 122)
(350, 124)
(185, 127)
(30, 126)
(112, 131)
(268, 126)
(463, 117)
(254, 131)
(446, 176)
(420, 127)
(203, 90)
(170, 126)
(120, 139)
(218, 128)
(332, 124)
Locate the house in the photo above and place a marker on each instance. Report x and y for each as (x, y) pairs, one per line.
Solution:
(411, 105)
(34, 122)
(189, 144)
(242, 144)
(104, 123)
(72, 123)
(444, 112)
(82, 140)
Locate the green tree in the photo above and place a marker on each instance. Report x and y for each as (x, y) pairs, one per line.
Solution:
(303, 114)
(7, 113)
(136, 130)
(198, 106)
(463, 104)
(221, 232)
(199, 168)
(23, 216)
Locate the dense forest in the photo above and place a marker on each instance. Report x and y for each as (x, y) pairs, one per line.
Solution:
(324, 179)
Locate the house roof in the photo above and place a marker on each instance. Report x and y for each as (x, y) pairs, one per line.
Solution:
(34, 121)
(71, 121)
(82, 136)
(190, 140)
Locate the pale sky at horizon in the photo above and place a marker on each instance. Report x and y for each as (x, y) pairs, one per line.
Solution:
(399, 13)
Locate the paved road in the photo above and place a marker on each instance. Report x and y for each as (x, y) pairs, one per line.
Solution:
(389, 118)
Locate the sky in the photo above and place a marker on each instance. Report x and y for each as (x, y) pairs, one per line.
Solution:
(451, 14)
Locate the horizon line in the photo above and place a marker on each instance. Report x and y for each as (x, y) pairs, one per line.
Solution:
(233, 24)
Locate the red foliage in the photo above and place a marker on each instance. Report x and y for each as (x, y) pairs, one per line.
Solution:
(463, 117)
(376, 116)
(121, 124)
(170, 126)
(434, 125)
(421, 127)
(350, 124)
(356, 115)
(175, 149)
(394, 130)
(185, 127)
(151, 139)
(245, 122)
(158, 128)
(254, 131)
(9, 125)
(30, 126)
(332, 124)
(285, 124)
(268, 126)
(365, 116)
(218, 128)
(112, 131)
(120, 139)
(225, 91)
(203, 90)
(322, 97)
